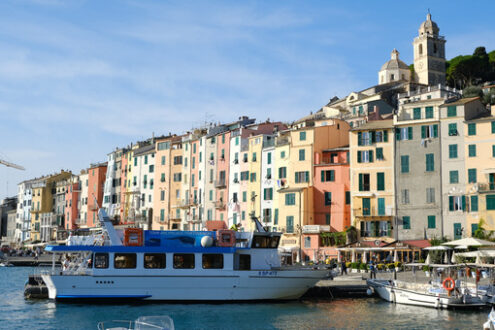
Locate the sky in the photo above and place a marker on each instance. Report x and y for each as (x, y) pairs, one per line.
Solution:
(80, 78)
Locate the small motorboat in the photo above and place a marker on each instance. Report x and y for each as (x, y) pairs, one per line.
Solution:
(162, 322)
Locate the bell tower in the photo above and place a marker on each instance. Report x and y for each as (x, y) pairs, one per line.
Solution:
(429, 54)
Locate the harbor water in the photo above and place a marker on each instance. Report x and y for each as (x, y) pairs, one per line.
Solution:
(363, 313)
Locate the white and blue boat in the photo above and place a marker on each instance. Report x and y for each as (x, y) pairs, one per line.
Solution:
(177, 266)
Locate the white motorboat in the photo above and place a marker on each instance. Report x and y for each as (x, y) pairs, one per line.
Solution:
(161, 322)
(178, 266)
(490, 323)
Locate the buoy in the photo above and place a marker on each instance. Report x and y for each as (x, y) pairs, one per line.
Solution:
(206, 241)
(369, 292)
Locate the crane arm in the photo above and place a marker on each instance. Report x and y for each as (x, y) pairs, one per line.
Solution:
(8, 164)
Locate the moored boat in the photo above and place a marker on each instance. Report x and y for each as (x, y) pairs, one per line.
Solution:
(178, 266)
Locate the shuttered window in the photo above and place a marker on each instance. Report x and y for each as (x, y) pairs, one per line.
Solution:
(380, 181)
(406, 222)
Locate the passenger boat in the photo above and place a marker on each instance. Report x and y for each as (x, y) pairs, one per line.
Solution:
(177, 266)
(445, 294)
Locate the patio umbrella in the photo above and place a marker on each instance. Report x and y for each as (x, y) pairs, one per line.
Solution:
(453, 258)
(445, 257)
(396, 256)
(478, 258)
(365, 257)
(428, 261)
(470, 241)
(353, 258)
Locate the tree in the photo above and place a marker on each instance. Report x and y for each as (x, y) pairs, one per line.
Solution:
(466, 70)
(472, 91)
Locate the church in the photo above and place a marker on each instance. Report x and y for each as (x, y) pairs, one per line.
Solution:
(394, 77)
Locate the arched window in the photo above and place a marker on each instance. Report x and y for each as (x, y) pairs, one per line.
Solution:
(420, 49)
(434, 48)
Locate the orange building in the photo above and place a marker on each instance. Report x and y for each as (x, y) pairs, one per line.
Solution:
(96, 181)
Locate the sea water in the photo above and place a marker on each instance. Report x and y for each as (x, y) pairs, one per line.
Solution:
(363, 313)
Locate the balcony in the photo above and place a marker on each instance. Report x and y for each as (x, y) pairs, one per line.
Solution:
(373, 213)
(220, 205)
(183, 203)
(486, 187)
(220, 183)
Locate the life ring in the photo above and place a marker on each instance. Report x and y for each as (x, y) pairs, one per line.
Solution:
(448, 287)
(225, 238)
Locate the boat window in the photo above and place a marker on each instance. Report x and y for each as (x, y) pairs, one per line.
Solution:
(101, 260)
(212, 261)
(244, 262)
(261, 242)
(154, 260)
(274, 242)
(183, 260)
(124, 260)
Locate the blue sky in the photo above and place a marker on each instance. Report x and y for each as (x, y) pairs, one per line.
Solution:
(79, 78)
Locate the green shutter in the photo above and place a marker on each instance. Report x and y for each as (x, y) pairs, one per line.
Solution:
(360, 139)
(463, 203)
(373, 136)
(379, 153)
(451, 203)
(474, 203)
(397, 134)
(332, 175)
(423, 131)
(435, 130)
(322, 176)
(417, 113)
(380, 181)
(493, 127)
(472, 175)
(472, 129)
(490, 202)
(370, 156)
(406, 222)
(360, 182)
(431, 221)
(385, 136)
(359, 156)
(381, 206)
(409, 133)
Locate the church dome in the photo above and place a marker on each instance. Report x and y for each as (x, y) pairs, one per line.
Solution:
(394, 62)
(428, 26)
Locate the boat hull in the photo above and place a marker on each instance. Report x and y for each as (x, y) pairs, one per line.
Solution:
(233, 286)
(409, 297)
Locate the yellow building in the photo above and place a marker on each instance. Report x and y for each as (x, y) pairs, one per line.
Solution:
(480, 171)
(372, 180)
(161, 191)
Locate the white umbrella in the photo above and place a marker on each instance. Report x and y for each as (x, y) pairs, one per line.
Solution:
(453, 258)
(470, 241)
(396, 256)
(478, 258)
(339, 256)
(353, 258)
(365, 257)
(428, 261)
(445, 258)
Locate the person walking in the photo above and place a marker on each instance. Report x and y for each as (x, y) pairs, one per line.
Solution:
(343, 267)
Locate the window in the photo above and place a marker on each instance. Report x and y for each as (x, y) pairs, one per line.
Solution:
(380, 181)
(429, 131)
(405, 196)
(365, 156)
(454, 176)
(177, 160)
(212, 261)
(290, 199)
(223, 138)
(210, 195)
(429, 112)
(244, 196)
(404, 133)
(430, 195)
(431, 222)
(183, 260)
(404, 164)
(302, 136)
(457, 203)
(366, 204)
(302, 155)
(347, 197)
(282, 172)
(417, 113)
(364, 182)
(430, 162)
(472, 129)
(472, 175)
(452, 150)
(493, 150)
(269, 158)
(282, 154)
(237, 141)
(490, 202)
(381, 206)
(328, 198)
(493, 127)
(451, 111)
(290, 224)
(254, 157)
(177, 177)
(302, 177)
(474, 203)
(275, 217)
(268, 194)
(124, 260)
(327, 175)
(307, 242)
(453, 129)
(364, 138)
(163, 160)
(101, 260)
(472, 150)
(253, 177)
(154, 260)
(379, 154)
(245, 176)
(406, 222)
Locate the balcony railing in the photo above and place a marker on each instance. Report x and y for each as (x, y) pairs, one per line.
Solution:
(220, 205)
(373, 212)
(486, 187)
(220, 183)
